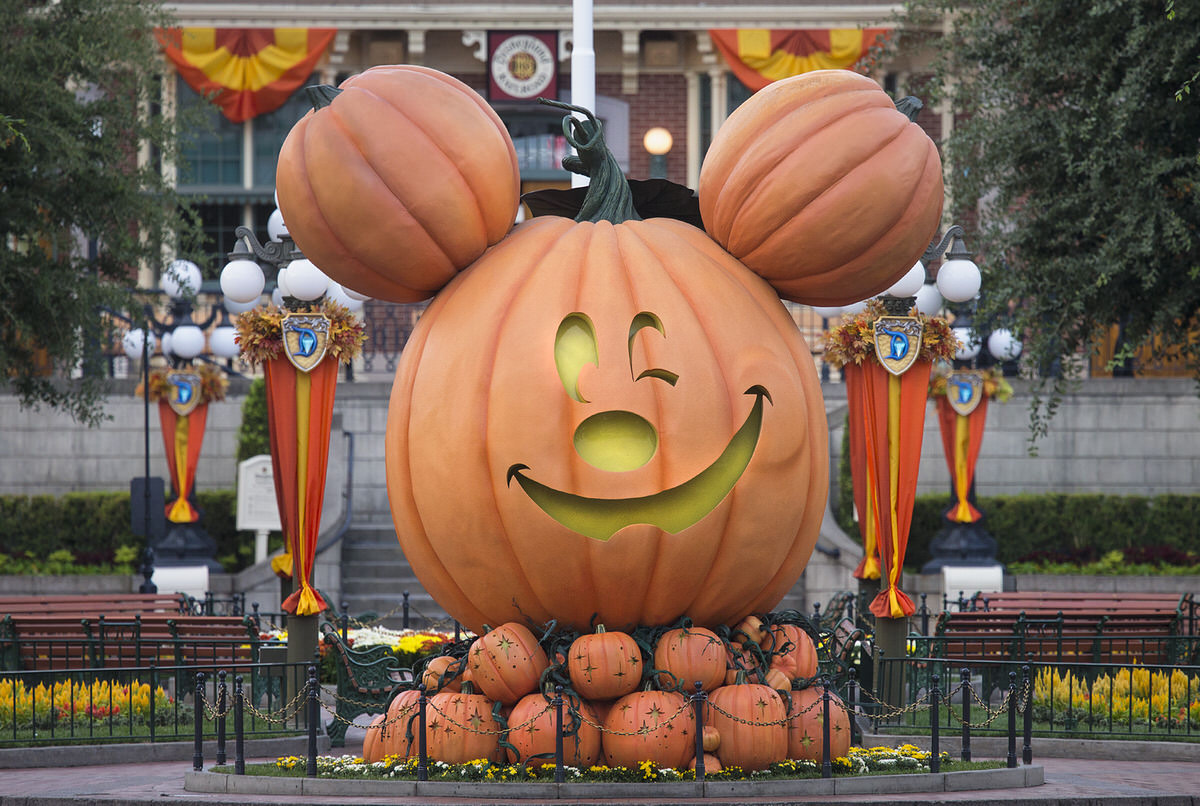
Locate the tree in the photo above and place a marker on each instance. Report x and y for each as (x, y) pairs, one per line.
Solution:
(1079, 164)
(83, 201)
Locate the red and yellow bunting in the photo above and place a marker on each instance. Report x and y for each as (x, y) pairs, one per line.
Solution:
(252, 70)
(300, 413)
(962, 399)
(182, 437)
(758, 56)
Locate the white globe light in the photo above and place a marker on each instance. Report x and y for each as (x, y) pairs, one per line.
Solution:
(854, 309)
(1003, 345)
(132, 343)
(281, 283)
(277, 298)
(166, 344)
(181, 278)
(827, 313)
(969, 341)
(242, 280)
(276, 229)
(305, 281)
(336, 293)
(910, 283)
(241, 307)
(222, 342)
(187, 341)
(958, 280)
(352, 294)
(929, 301)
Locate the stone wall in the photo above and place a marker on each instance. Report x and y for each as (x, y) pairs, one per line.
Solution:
(1130, 436)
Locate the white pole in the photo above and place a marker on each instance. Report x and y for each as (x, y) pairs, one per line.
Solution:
(583, 66)
(260, 545)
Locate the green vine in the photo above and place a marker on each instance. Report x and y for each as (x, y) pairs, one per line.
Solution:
(608, 197)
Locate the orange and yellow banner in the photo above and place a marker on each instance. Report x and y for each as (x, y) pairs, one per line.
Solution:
(862, 471)
(758, 56)
(895, 427)
(252, 70)
(962, 437)
(300, 414)
(182, 438)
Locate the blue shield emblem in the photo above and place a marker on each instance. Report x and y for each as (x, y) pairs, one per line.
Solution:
(305, 339)
(898, 342)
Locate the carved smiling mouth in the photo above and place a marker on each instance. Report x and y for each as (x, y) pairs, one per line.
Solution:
(673, 509)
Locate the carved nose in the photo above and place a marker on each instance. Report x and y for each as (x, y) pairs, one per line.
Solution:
(616, 441)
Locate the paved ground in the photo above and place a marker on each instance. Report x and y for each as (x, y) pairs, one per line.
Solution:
(1069, 782)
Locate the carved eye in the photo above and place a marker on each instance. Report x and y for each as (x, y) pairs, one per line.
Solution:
(644, 320)
(575, 348)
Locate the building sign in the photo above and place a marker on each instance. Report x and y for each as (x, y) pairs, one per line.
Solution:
(522, 66)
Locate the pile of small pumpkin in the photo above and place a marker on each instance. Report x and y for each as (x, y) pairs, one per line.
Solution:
(624, 700)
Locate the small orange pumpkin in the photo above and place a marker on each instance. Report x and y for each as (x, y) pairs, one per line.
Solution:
(750, 630)
(793, 651)
(605, 665)
(690, 654)
(751, 720)
(711, 763)
(507, 662)
(668, 740)
(460, 727)
(443, 668)
(374, 739)
(531, 731)
(442, 181)
(804, 738)
(400, 720)
(820, 185)
(711, 739)
(743, 662)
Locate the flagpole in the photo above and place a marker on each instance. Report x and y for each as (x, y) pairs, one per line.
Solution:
(583, 66)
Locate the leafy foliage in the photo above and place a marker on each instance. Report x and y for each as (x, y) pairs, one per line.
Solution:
(254, 436)
(1079, 526)
(1079, 162)
(84, 199)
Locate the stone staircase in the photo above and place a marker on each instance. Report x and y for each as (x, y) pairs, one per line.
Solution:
(375, 576)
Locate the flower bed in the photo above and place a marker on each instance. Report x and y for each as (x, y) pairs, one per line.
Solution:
(859, 761)
(1137, 696)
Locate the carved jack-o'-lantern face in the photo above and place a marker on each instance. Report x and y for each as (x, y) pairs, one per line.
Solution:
(622, 441)
(614, 420)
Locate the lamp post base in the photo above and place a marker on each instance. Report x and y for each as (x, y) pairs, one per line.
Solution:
(186, 544)
(961, 544)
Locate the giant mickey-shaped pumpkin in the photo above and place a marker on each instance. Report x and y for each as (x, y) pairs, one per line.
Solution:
(605, 420)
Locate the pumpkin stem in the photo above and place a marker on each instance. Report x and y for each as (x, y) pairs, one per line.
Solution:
(910, 105)
(608, 197)
(321, 95)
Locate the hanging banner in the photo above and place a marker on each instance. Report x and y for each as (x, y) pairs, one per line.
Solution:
(886, 360)
(962, 400)
(300, 398)
(522, 66)
(252, 71)
(183, 397)
(861, 471)
(758, 56)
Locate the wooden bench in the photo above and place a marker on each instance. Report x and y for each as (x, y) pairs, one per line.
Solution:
(70, 642)
(365, 680)
(1061, 629)
(121, 604)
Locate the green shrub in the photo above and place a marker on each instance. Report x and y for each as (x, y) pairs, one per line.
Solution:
(1076, 523)
(94, 529)
(253, 436)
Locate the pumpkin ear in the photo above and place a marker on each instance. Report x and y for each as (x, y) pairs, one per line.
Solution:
(823, 187)
(397, 181)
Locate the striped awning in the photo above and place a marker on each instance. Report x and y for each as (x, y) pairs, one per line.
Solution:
(758, 56)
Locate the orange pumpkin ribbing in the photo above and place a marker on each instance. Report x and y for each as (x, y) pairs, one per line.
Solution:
(443, 184)
(821, 186)
(477, 392)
